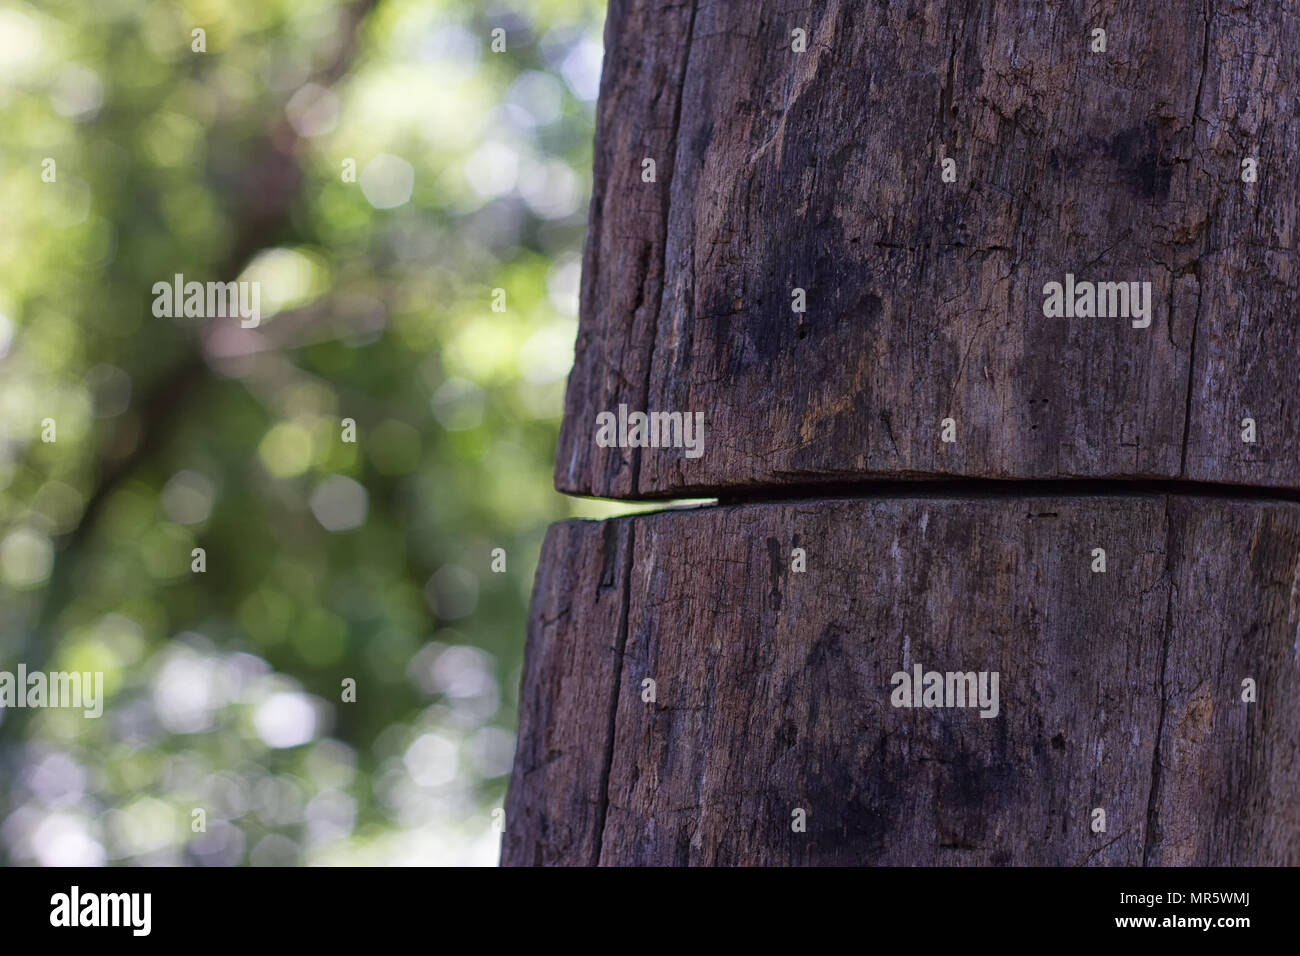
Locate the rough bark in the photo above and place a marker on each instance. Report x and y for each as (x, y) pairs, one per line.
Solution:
(575, 648)
(1119, 690)
(622, 271)
(821, 170)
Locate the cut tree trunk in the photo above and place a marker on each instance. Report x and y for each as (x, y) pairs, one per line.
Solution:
(821, 171)
(832, 231)
(1119, 690)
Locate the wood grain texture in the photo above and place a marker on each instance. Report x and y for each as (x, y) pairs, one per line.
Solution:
(575, 648)
(821, 170)
(1119, 690)
(623, 263)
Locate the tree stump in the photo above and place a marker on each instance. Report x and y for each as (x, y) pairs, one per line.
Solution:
(989, 313)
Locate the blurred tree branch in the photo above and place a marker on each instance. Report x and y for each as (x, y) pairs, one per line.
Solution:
(268, 189)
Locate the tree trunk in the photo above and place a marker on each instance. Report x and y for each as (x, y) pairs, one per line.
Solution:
(821, 171)
(1118, 690)
(1146, 694)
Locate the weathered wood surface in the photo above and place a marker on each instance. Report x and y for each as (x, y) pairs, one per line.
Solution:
(821, 170)
(1118, 690)
(569, 690)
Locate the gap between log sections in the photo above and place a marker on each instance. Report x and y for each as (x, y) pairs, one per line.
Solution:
(965, 488)
(960, 488)
(1003, 488)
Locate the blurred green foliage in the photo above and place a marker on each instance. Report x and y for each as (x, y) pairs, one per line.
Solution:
(325, 559)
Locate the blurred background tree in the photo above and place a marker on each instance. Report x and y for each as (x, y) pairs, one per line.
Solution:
(325, 559)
